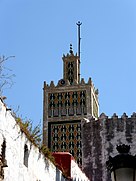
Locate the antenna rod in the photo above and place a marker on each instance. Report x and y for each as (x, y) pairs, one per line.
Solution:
(79, 38)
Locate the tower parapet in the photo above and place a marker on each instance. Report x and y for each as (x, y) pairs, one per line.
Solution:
(62, 83)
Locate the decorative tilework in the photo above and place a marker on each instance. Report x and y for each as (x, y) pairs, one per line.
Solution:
(66, 136)
(70, 71)
(67, 104)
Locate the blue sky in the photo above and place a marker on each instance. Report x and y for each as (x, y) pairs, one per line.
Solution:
(38, 32)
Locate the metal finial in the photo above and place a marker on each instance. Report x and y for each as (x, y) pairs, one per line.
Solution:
(71, 49)
(79, 38)
(78, 23)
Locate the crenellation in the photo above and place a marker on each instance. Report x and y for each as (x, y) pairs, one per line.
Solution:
(124, 116)
(94, 89)
(69, 55)
(82, 81)
(133, 115)
(114, 116)
(52, 84)
(67, 84)
(103, 116)
(45, 84)
(89, 81)
(97, 92)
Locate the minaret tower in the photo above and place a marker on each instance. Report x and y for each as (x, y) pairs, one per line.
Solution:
(65, 105)
(71, 67)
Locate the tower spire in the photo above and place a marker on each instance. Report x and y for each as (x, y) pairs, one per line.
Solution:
(79, 38)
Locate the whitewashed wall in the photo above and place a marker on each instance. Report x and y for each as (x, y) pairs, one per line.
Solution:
(39, 168)
(76, 172)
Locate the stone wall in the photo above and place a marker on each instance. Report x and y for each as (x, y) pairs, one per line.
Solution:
(99, 140)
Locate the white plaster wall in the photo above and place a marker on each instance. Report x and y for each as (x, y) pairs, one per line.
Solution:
(39, 168)
(76, 172)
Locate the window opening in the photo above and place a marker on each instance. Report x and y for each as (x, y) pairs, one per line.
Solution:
(3, 161)
(26, 154)
(3, 151)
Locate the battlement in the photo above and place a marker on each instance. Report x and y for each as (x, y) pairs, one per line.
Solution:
(103, 116)
(70, 55)
(66, 83)
(115, 116)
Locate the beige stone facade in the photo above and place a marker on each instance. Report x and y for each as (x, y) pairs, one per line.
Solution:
(65, 105)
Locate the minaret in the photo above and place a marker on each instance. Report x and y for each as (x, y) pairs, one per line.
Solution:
(71, 67)
(65, 105)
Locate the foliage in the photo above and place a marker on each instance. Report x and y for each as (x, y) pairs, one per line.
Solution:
(34, 135)
(5, 74)
(46, 152)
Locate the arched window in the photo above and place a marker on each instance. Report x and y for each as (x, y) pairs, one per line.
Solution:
(26, 154)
